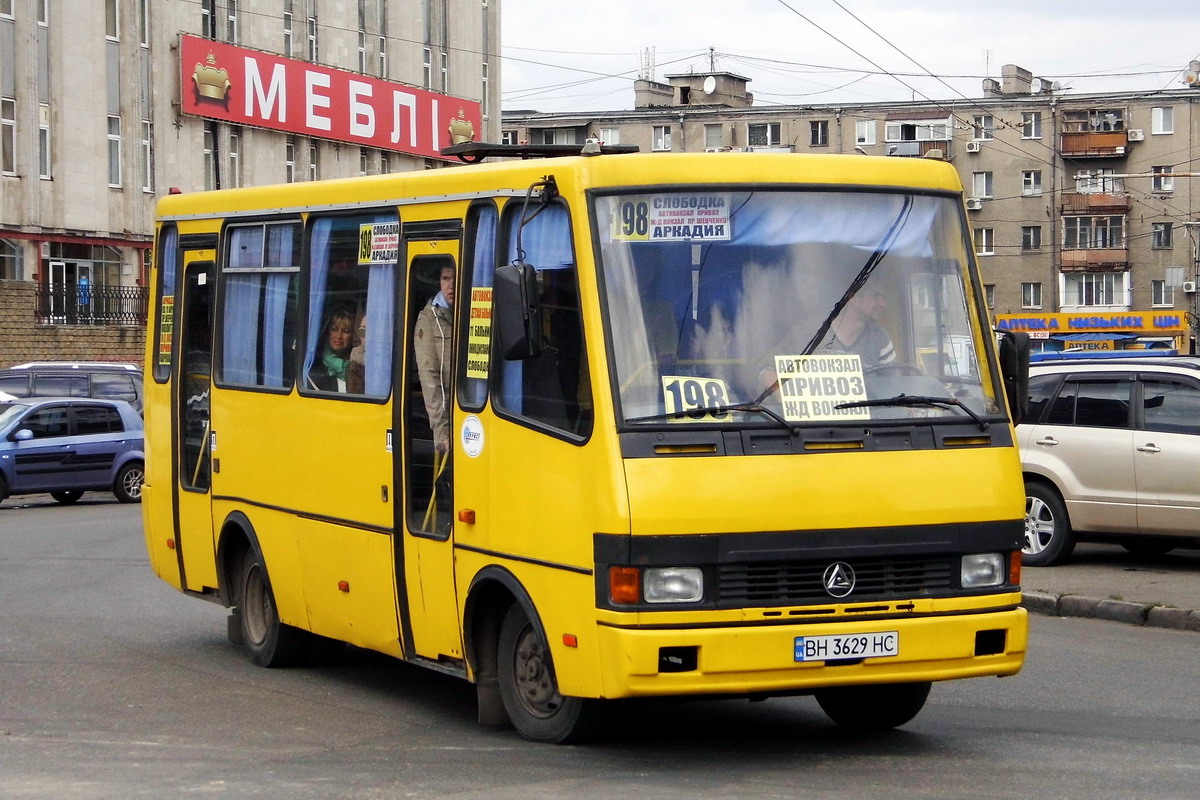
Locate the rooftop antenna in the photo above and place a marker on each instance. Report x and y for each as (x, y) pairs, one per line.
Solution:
(647, 69)
(712, 60)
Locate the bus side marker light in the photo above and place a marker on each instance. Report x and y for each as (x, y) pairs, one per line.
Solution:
(466, 515)
(343, 586)
(624, 585)
(570, 640)
(170, 544)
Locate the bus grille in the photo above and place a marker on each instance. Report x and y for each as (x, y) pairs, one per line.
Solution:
(792, 582)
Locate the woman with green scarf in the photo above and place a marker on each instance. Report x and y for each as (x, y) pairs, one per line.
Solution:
(328, 373)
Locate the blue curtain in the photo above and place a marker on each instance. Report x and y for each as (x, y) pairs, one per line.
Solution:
(318, 276)
(239, 362)
(381, 288)
(483, 267)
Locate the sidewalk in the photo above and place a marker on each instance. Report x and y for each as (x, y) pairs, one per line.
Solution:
(1107, 582)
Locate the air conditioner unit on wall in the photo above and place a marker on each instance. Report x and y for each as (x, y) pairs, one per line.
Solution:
(974, 204)
(1189, 287)
(1135, 134)
(974, 146)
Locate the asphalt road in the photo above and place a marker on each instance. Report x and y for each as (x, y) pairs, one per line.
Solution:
(114, 685)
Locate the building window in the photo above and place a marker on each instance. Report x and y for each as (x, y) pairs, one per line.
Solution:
(916, 131)
(143, 22)
(208, 18)
(231, 21)
(984, 242)
(310, 28)
(385, 163)
(363, 161)
(1094, 288)
(1101, 181)
(1161, 294)
(864, 131)
(1162, 180)
(235, 159)
(288, 35)
(112, 20)
(981, 184)
(818, 133)
(608, 135)
(984, 126)
(1031, 237)
(383, 56)
(427, 67)
(1162, 119)
(1162, 235)
(1031, 295)
(114, 151)
(1084, 233)
(989, 295)
(289, 159)
(713, 136)
(1031, 182)
(314, 161)
(510, 137)
(6, 12)
(8, 135)
(10, 260)
(44, 159)
(487, 106)
(147, 160)
(210, 155)
(766, 134)
(445, 71)
(662, 137)
(1094, 120)
(1031, 125)
(362, 52)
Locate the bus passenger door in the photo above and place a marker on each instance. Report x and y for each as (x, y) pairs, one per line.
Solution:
(428, 545)
(192, 428)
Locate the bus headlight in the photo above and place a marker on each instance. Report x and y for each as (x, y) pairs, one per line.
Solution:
(672, 585)
(982, 569)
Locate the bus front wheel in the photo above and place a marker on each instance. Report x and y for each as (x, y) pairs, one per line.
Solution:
(873, 708)
(529, 689)
(268, 641)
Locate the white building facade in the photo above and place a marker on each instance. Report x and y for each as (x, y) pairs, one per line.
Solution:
(106, 104)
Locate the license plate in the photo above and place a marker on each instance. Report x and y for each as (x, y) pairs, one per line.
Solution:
(840, 646)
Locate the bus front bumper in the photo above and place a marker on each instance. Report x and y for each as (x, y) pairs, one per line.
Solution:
(762, 659)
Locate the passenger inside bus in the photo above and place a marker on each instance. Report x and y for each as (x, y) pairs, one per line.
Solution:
(328, 374)
(356, 366)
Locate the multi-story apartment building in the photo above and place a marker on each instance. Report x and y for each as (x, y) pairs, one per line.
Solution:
(1082, 206)
(105, 105)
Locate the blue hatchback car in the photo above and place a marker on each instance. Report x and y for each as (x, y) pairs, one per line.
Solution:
(65, 446)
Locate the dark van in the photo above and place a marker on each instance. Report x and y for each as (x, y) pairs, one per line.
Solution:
(101, 379)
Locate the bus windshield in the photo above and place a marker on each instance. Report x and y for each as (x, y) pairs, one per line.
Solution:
(803, 307)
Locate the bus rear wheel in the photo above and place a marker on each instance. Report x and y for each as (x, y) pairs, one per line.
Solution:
(268, 641)
(529, 688)
(873, 708)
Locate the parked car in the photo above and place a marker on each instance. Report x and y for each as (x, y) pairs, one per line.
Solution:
(1111, 451)
(108, 380)
(65, 446)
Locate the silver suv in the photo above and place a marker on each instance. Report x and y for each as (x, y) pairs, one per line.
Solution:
(1111, 450)
(101, 379)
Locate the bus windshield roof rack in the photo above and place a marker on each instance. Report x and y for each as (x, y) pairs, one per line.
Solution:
(474, 152)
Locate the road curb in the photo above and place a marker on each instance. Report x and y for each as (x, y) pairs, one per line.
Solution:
(1145, 614)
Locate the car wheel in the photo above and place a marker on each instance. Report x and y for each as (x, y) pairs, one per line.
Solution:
(873, 708)
(268, 641)
(66, 498)
(3, 489)
(1048, 536)
(1148, 547)
(529, 689)
(128, 484)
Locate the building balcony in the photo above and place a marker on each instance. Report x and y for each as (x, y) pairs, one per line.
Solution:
(1095, 203)
(1096, 259)
(1103, 144)
(917, 149)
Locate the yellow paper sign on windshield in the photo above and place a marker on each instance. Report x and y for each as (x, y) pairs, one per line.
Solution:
(700, 217)
(694, 398)
(378, 243)
(812, 387)
(479, 332)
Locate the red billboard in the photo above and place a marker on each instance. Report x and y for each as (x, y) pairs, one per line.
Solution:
(248, 87)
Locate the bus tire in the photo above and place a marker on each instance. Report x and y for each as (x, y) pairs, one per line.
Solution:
(268, 641)
(529, 688)
(1049, 539)
(873, 708)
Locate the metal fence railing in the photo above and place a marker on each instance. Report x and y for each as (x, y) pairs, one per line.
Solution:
(92, 305)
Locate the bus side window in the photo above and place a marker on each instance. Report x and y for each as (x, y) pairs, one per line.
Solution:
(475, 328)
(348, 347)
(553, 388)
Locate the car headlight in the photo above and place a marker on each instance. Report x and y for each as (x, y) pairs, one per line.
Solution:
(982, 569)
(672, 585)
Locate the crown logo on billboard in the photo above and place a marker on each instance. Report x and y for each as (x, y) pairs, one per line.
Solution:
(461, 129)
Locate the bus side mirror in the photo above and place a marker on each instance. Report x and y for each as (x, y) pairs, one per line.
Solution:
(1014, 367)
(518, 312)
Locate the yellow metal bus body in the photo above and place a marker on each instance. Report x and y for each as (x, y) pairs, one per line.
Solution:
(614, 536)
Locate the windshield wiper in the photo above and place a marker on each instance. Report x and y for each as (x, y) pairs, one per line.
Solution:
(754, 407)
(919, 400)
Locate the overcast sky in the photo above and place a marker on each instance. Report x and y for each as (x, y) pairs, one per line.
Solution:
(584, 56)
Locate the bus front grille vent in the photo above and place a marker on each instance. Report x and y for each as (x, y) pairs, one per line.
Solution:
(800, 582)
